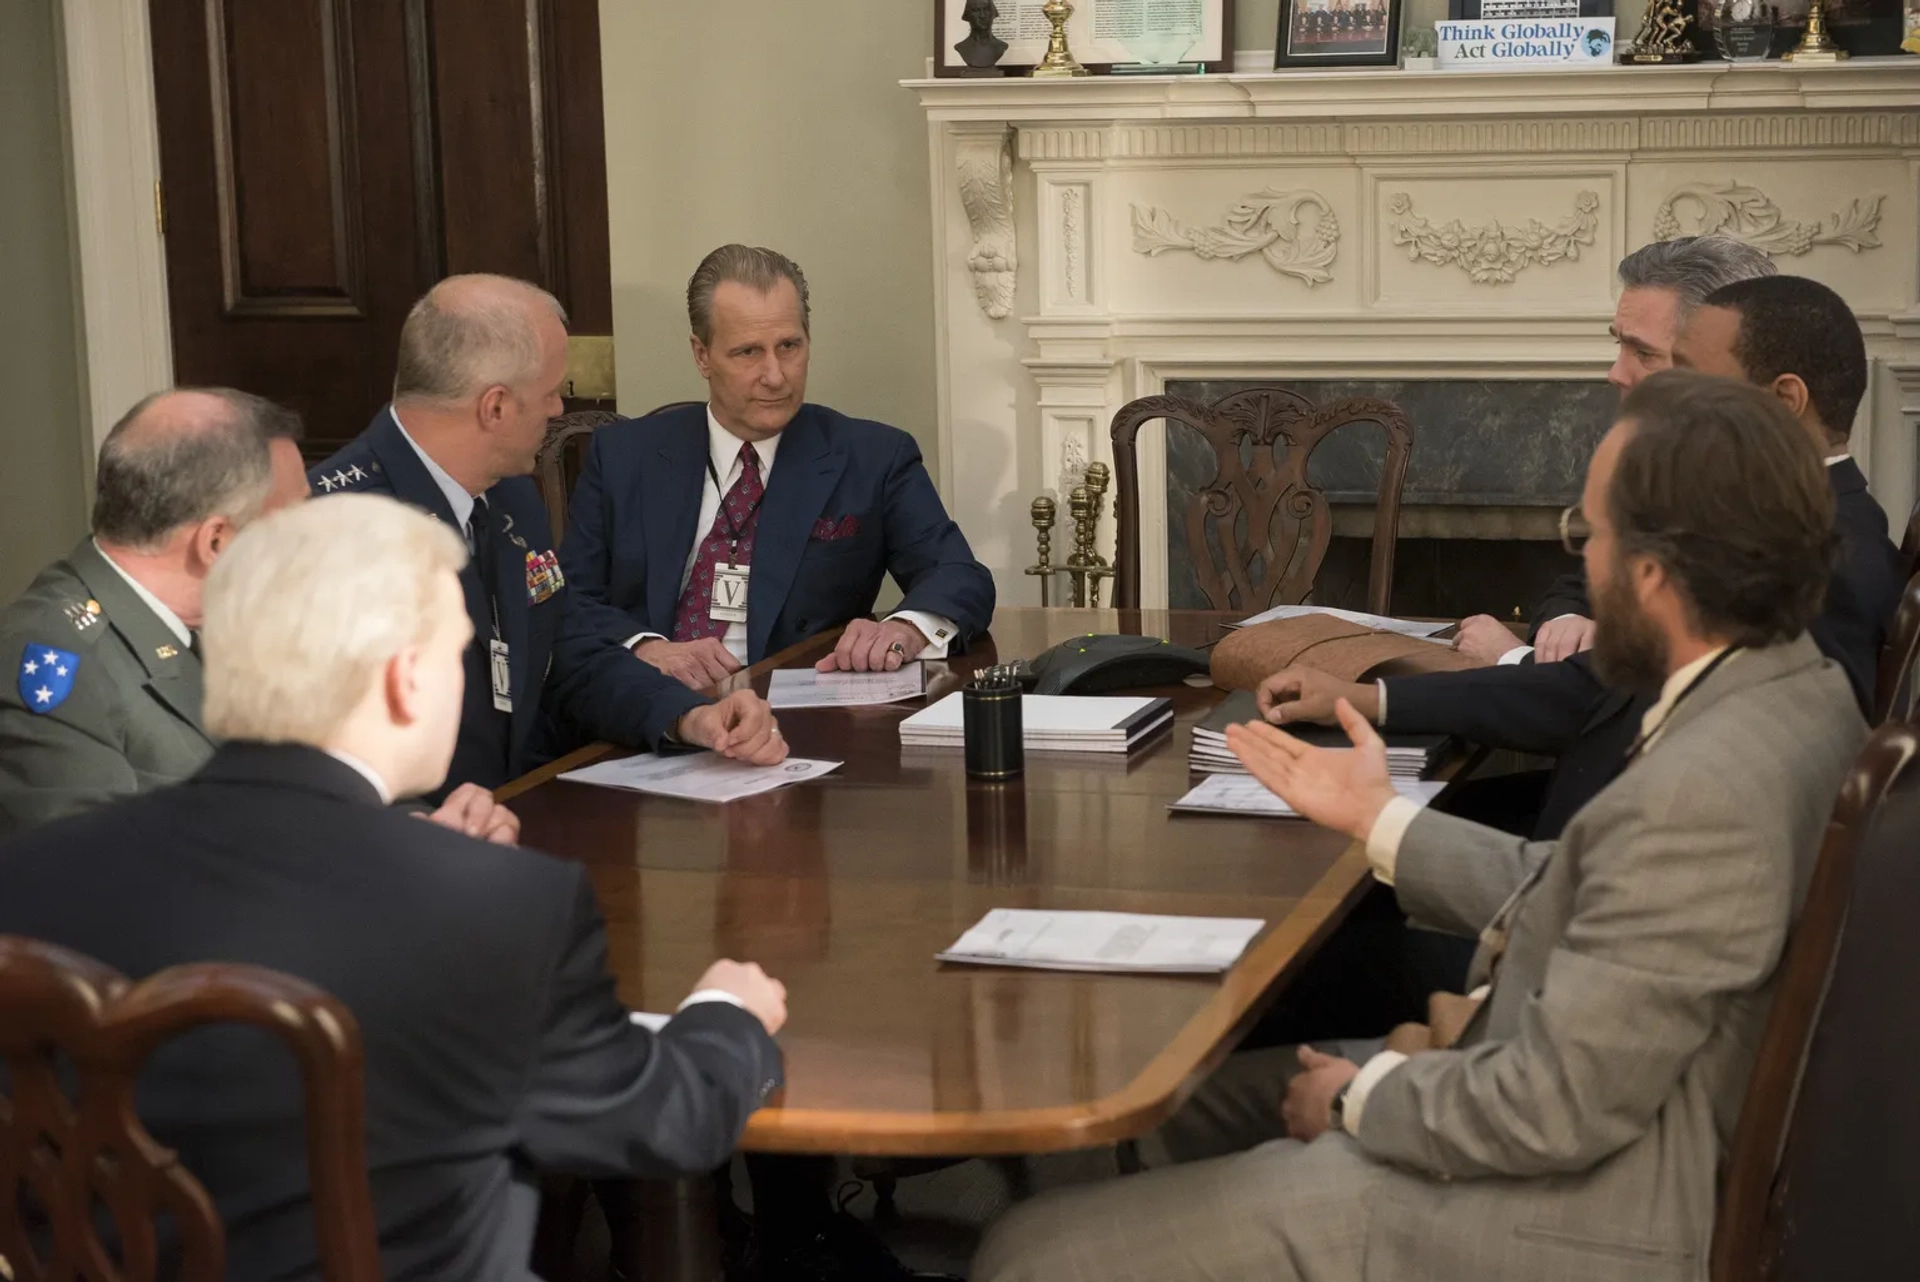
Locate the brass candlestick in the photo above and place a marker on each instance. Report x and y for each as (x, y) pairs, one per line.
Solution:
(1059, 63)
(1816, 46)
(1043, 511)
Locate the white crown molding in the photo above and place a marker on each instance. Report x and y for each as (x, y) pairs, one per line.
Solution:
(116, 175)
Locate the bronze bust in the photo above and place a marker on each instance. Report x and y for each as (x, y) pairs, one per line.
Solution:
(981, 49)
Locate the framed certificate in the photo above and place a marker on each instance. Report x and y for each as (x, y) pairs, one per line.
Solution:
(1101, 33)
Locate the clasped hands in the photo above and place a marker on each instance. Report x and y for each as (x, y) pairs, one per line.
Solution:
(1484, 639)
(864, 646)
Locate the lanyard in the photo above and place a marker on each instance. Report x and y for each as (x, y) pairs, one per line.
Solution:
(731, 531)
(1640, 743)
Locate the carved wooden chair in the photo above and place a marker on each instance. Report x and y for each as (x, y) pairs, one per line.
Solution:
(1742, 1229)
(1910, 542)
(564, 453)
(1893, 693)
(70, 1165)
(1267, 512)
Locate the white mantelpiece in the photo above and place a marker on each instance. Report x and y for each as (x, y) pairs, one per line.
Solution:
(1095, 239)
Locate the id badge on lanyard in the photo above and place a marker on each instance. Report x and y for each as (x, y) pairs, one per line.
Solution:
(498, 665)
(730, 593)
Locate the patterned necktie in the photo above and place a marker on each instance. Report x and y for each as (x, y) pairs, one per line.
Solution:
(733, 529)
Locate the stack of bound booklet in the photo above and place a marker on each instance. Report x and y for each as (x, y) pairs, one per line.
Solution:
(1052, 723)
(1409, 756)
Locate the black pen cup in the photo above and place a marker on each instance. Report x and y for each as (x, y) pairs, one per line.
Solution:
(990, 715)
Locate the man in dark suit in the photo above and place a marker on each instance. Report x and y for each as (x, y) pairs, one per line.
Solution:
(476, 972)
(711, 536)
(1793, 336)
(482, 361)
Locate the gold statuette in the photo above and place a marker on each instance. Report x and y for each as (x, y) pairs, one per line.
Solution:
(1816, 46)
(1059, 62)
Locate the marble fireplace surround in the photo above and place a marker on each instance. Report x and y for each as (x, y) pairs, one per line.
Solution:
(1097, 240)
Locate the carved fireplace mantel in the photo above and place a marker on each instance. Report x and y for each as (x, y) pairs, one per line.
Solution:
(1096, 239)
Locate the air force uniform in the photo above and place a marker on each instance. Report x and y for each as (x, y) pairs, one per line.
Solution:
(103, 694)
(515, 592)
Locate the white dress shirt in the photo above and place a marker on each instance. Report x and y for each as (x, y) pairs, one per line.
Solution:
(723, 449)
(456, 494)
(154, 603)
(365, 771)
(1390, 829)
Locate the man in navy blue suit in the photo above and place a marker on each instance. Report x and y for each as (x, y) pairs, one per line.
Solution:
(711, 536)
(482, 361)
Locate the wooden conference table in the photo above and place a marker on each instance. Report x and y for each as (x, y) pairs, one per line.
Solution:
(846, 888)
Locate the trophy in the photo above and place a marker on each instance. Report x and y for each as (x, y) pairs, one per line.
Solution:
(1059, 63)
(1816, 46)
(1743, 30)
(1663, 37)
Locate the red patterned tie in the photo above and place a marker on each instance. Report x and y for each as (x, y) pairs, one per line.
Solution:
(733, 527)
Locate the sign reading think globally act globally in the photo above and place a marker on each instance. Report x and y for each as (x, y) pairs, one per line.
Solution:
(1525, 42)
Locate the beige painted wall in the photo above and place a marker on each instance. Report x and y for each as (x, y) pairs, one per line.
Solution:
(43, 452)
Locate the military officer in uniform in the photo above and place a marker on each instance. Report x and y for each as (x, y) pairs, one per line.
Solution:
(106, 688)
(481, 365)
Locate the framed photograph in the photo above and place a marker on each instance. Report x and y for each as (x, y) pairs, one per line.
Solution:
(1337, 33)
(1101, 33)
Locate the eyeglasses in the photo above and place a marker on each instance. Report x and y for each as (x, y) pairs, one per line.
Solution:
(1574, 530)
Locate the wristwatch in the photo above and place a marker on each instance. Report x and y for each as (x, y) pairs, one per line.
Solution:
(1337, 1111)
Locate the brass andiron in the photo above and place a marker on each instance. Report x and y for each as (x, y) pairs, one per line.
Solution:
(1816, 46)
(1059, 63)
(1043, 511)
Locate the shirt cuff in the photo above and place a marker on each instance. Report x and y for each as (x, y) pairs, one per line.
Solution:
(1384, 838)
(1362, 1086)
(940, 633)
(1380, 703)
(638, 637)
(1517, 654)
(711, 995)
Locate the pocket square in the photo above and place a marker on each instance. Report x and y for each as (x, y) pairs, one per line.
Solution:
(826, 529)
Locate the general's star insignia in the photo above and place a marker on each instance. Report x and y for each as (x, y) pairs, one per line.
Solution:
(326, 483)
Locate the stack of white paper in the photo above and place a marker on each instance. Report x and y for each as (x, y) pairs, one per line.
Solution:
(1379, 622)
(1408, 756)
(1052, 722)
(1108, 942)
(1225, 794)
(699, 776)
(806, 688)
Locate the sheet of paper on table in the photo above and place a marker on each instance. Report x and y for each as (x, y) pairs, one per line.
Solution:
(806, 688)
(699, 776)
(1105, 942)
(1245, 795)
(1405, 627)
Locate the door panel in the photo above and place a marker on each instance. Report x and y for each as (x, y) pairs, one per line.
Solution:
(325, 161)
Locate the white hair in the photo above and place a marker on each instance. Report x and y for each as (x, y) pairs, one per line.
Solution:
(307, 607)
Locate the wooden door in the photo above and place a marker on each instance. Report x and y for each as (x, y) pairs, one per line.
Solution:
(323, 162)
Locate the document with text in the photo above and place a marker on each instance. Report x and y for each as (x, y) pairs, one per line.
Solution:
(1227, 794)
(806, 688)
(1094, 941)
(1380, 622)
(700, 776)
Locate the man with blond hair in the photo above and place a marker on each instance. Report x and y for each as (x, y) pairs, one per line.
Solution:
(481, 365)
(477, 972)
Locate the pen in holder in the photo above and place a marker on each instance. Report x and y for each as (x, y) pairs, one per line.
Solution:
(990, 712)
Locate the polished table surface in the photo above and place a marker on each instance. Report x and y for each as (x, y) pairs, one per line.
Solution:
(846, 888)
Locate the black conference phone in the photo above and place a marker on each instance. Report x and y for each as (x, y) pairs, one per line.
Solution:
(1096, 664)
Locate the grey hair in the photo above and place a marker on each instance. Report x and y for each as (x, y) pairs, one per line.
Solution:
(469, 333)
(758, 269)
(1693, 267)
(159, 470)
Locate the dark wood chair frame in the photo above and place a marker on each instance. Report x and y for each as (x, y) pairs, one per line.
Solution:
(1744, 1227)
(75, 1155)
(563, 454)
(1282, 509)
(1893, 690)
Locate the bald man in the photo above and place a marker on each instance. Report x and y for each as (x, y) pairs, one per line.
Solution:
(482, 361)
(105, 700)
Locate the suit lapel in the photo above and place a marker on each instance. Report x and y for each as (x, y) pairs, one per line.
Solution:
(805, 472)
(671, 508)
(411, 481)
(174, 674)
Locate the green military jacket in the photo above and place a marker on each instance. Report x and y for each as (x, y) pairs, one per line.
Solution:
(101, 698)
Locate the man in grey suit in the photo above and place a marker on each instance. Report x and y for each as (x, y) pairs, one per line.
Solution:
(104, 699)
(1573, 1127)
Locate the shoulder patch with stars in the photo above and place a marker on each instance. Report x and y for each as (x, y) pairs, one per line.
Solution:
(349, 477)
(47, 674)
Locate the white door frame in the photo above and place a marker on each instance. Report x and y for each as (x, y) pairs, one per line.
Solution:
(115, 152)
